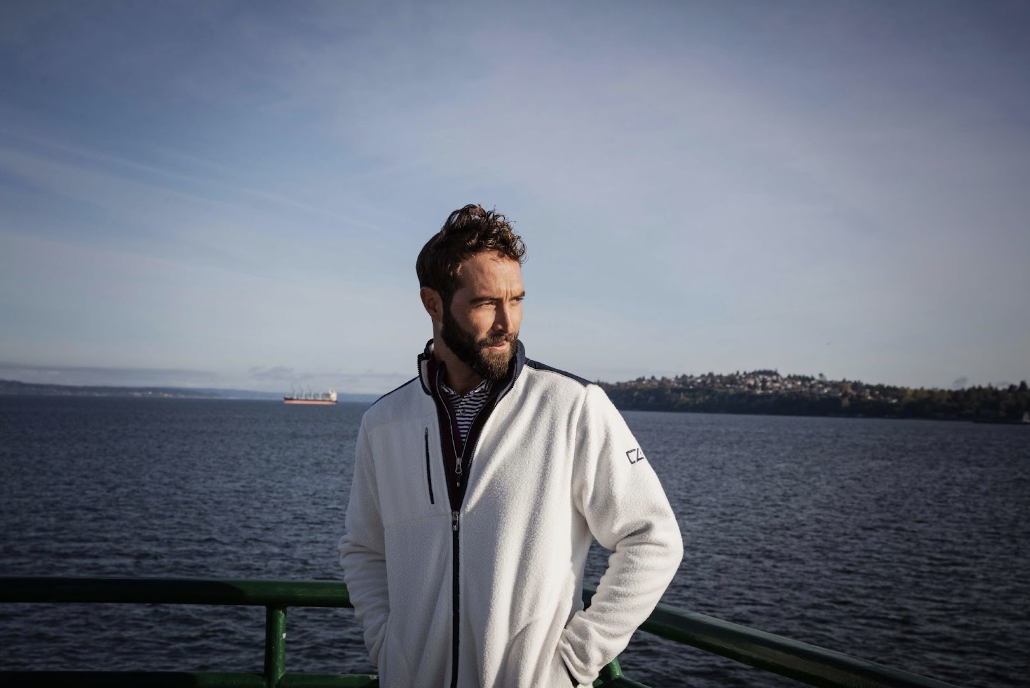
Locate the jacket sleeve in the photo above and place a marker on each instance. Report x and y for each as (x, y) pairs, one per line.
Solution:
(619, 495)
(363, 551)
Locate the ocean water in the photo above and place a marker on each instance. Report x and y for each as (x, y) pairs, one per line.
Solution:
(902, 542)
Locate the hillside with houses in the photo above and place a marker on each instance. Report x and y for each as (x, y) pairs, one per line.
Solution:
(769, 392)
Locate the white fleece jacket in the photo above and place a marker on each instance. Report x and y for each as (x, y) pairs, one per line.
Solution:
(555, 464)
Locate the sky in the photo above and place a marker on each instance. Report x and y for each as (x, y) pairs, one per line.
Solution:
(233, 194)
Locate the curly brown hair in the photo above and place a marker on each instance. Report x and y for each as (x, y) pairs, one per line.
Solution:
(468, 231)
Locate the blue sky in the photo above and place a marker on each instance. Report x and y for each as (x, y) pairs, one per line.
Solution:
(233, 194)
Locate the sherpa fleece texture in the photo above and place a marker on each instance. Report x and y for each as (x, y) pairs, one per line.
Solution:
(555, 465)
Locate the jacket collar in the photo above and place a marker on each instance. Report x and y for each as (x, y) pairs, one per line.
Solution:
(506, 385)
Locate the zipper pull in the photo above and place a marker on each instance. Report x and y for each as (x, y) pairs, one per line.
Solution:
(457, 466)
(454, 521)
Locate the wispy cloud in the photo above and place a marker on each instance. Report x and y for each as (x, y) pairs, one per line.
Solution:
(108, 376)
(277, 373)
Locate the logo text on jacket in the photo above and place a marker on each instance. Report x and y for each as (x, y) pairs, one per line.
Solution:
(635, 455)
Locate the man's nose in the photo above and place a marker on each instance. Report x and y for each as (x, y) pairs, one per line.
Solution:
(502, 321)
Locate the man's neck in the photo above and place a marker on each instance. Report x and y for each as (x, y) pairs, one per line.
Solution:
(456, 375)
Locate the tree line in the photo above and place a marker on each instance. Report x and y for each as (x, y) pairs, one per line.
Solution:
(766, 392)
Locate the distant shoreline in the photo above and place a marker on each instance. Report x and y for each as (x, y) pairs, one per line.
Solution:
(33, 389)
(766, 392)
(763, 392)
(15, 388)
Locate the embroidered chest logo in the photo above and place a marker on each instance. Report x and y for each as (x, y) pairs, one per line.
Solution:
(635, 455)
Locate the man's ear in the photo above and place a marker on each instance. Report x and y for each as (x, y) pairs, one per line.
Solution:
(432, 302)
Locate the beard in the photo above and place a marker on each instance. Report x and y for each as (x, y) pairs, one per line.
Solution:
(470, 351)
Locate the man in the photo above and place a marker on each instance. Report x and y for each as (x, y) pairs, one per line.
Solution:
(477, 488)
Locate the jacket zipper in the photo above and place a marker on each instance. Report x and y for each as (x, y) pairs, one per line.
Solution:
(455, 616)
(455, 596)
(429, 472)
(455, 563)
(456, 560)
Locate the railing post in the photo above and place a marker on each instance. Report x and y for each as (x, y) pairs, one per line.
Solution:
(275, 645)
(610, 672)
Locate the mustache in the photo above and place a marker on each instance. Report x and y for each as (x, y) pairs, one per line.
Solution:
(496, 339)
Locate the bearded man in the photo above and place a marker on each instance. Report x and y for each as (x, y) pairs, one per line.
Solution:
(478, 487)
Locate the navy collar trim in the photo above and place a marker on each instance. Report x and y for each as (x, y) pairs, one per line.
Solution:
(427, 355)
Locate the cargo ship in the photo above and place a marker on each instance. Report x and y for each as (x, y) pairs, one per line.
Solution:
(321, 399)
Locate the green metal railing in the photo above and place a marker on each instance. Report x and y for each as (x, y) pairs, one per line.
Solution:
(274, 596)
(807, 663)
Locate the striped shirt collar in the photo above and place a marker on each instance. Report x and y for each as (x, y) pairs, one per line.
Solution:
(483, 387)
(463, 408)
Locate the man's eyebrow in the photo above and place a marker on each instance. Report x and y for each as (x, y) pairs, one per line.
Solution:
(485, 299)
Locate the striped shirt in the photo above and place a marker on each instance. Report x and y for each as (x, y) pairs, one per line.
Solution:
(466, 407)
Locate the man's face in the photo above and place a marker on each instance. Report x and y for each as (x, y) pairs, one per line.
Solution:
(482, 322)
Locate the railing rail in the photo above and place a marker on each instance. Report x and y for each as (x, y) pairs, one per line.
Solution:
(275, 596)
(809, 664)
(806, 663)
